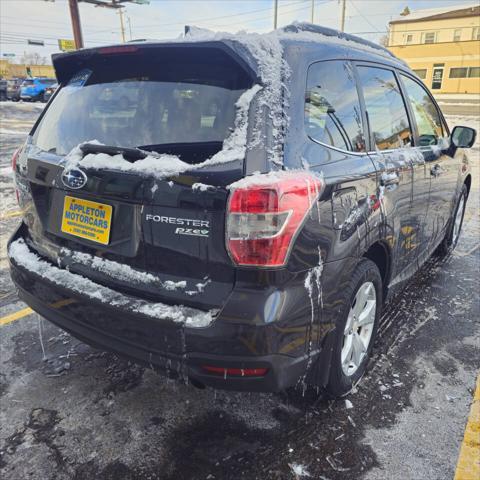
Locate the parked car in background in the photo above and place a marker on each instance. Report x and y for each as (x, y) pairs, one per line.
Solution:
(33, 89)
(3, 89)
(245, 212)
(13, 89)
(49, 91)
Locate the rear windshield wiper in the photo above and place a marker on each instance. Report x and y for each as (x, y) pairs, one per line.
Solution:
(130, 154)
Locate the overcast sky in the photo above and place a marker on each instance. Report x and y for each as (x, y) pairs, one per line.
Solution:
(49, 21)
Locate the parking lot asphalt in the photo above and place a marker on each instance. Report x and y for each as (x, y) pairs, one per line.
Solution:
(69, 411)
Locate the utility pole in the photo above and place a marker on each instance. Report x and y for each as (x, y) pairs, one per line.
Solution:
(275, 14)
(114, 4)
(76, 27)
(122, 25)
(342, 23)
(312, 12)
(129, 26)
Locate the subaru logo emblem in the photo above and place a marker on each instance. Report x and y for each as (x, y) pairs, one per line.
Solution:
(74, 178)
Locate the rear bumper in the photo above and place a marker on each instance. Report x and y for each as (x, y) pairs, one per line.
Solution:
(169, 346)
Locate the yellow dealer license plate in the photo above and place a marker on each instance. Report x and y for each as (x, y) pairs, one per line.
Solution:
(86, 219)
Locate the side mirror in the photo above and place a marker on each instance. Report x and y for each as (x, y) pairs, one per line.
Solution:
(463, 137)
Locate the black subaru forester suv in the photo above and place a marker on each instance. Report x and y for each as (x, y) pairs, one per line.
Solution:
(243, 216)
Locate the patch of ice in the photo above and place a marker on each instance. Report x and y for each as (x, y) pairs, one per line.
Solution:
(299, 470)
(23, 256)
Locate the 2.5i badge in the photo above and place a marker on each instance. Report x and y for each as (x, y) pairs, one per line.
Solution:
(185, 226)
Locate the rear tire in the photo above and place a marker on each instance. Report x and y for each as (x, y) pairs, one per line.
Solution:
(356, 329)
(454, 225)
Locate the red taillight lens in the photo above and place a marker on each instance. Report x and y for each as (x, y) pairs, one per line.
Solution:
(15, 158)
(236, 372)
(265, 213)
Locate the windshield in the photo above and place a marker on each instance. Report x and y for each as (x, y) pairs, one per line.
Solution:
(26, 83)
(180, 103)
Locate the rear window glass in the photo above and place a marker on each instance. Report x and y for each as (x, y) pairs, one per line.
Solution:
(137, 103)
(332, 107)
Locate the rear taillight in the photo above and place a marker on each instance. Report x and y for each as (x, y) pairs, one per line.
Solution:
(15, 158)
(265, 213)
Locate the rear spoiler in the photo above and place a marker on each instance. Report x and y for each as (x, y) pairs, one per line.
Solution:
(68, 64)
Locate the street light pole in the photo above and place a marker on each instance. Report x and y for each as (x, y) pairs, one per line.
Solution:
(77, 29)
(312, 12)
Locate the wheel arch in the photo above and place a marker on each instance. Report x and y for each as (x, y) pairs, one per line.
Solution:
(380, 253)
(468, 183)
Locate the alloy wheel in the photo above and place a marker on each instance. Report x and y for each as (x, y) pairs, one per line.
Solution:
(359, 328)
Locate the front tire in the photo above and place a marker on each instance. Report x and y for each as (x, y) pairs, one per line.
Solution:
(455, 225)
(356, 329)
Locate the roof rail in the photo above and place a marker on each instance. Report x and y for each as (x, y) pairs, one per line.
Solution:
(297, 27)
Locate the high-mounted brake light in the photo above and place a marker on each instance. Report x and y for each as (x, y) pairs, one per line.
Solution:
(115, 50)
(265, 213)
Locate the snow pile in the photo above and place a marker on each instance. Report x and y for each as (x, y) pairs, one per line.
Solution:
(121, 271)
(164, 165)
(201, 187)
(23, 256)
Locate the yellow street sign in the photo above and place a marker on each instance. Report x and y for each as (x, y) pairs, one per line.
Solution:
(66, 45)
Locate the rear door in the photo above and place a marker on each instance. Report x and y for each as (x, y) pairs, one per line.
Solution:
(152, 227)
(441, 169)
(390, 132)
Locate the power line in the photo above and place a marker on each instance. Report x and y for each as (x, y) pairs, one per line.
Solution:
(361, 15)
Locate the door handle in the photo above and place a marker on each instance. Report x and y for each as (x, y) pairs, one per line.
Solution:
(389, 179)
(436, 170)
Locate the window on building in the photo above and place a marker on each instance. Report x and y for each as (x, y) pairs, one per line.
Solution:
(457, 34)
(459, 72)
(421, 73)
(332, 107)
(387, 115)
(429, 37)
(427, 118)
(408, 38)
(476, 33)
(474, 72)
(465, 72)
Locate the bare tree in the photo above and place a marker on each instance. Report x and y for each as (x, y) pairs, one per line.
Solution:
(383, 40)
(33, 58)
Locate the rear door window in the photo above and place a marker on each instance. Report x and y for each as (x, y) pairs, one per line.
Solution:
(387, 115)
(427, 117)
(332, 106)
